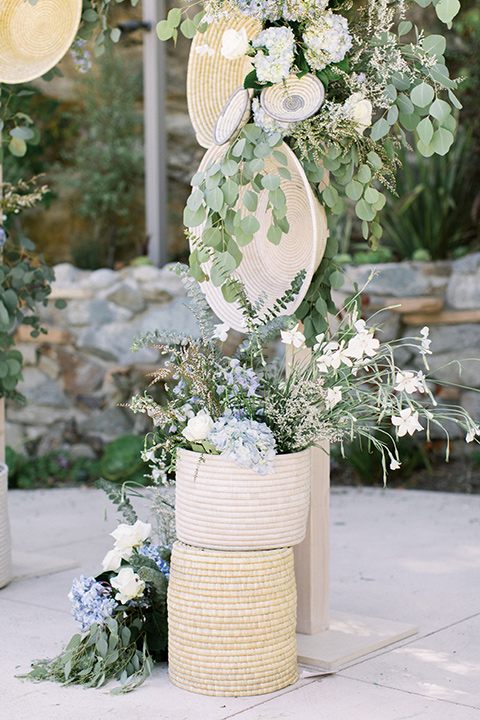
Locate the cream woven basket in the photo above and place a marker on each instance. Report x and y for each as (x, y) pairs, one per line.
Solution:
(212, 79)
(5, 543)
(267, 270)
(33, 38)
(232, 618)
(222, 506)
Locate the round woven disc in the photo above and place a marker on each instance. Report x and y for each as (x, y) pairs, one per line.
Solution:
(33, 38)
(233, 116)
(268, 270)
(294, 100)
(212, 79)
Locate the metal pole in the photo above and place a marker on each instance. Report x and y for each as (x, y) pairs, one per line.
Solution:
(155, 135)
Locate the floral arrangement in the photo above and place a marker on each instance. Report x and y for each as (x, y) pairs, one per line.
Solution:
(355, 81)
(122, 612)
(248, 410)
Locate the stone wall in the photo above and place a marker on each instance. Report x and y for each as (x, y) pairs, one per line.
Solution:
(76, 376)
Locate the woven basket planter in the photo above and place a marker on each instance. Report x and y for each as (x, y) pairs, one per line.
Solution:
(5, 544)
(232, 619)
(267, 270)
(33, 38)
(222, 506)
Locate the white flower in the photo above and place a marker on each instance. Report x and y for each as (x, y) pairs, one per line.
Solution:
(359, 110)
(409, 383)
(198, 427)
(293, 337)
(274, 66)
(221, 331)
(407, 422)
(425, 350)
(204, 50)
(362, 344)
(334, 355)
(128, 584)
(113, 559)
(327, 40)
(470, 437)
(395, 465)
(234, 44)
(334, 396)
(129, 536)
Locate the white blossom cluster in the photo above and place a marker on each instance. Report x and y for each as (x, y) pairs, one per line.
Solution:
(274, 65)
(267, 9)
(327, 40)
(267, 123)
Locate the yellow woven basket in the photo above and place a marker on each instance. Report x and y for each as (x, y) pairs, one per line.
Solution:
(212, 79)
(222, 506)
(231, 629)
(267, 270)
(33, 38)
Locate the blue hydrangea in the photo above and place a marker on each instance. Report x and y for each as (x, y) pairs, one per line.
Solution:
(237, 380)
(152, 552)
(91, 602)
(246, 442)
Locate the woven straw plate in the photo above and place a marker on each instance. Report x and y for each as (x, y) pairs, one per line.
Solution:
(222, 506)
(212, 79)
(33, 38)
(293, 100)
(267, 270)
(241, 645)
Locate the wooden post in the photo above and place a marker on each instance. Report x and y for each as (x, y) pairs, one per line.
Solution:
(312, 563)
(154, 135)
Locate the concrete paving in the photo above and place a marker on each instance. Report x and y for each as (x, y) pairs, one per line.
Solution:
(408, 556)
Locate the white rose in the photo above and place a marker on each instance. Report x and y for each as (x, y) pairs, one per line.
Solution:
(234, 44)
(198, 427)
(128, 584)
(113, 559)
(359, 109)
(128, 536)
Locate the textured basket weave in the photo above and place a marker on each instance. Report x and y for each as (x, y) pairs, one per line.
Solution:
(222, 506)
(212, 79)
(33, 38)
(232, 619)
(294, 99)
(267, 270)
(233, 116)
(5, 544)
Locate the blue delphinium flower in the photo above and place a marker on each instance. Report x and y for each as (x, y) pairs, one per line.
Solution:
(237, 380)
(152, 552)
(91, 602)
(246, 442)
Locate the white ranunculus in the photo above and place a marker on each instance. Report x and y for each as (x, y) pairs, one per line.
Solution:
(198, 427)
(128, 584)
(234, 44)
(113, 559)
(129, 536)
(359, 109)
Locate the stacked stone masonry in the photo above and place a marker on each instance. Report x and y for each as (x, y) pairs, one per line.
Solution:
(76, 376)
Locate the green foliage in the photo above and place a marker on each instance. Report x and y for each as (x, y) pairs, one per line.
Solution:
(430, 219)
(106, 163)
(52, 469)
(122, 461)
(118, 497)
(24, 284)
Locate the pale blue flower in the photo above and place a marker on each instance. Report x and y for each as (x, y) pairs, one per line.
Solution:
(91, 602)
(153, 552)
(246, 442)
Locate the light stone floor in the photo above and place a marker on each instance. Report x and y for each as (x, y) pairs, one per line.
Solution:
(408, 556)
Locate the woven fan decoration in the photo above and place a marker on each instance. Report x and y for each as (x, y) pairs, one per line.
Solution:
(267, 270)
(234, 115)
(33, 38)
(212, 79)
(293, 100)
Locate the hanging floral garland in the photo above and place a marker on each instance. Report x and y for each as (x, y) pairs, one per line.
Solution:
(345, 85)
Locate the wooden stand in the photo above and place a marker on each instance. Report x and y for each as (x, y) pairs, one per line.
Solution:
(323, 641)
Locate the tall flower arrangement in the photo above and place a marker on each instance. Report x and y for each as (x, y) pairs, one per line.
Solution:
(379, 83)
